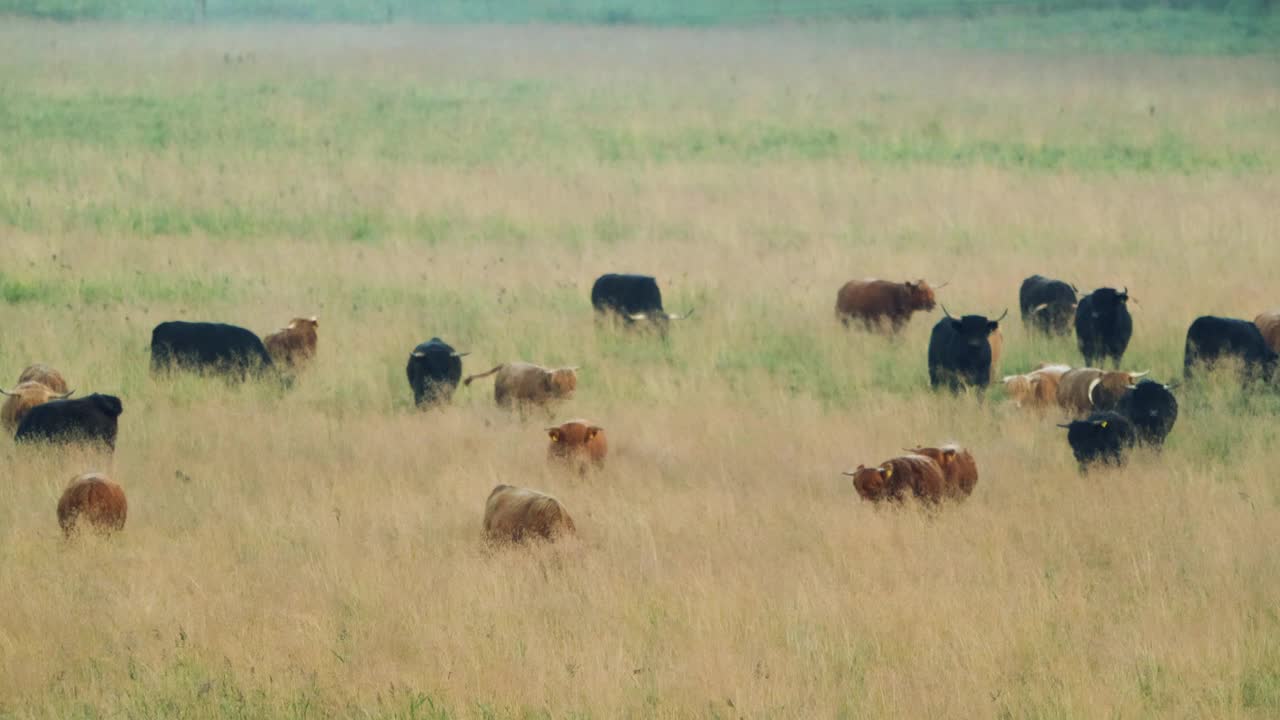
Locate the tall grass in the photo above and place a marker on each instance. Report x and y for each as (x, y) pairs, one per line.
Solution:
(317, 552)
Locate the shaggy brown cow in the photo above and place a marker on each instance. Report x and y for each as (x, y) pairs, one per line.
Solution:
(294, 345)
(1083, 390)
(522, 383)
(875, 301)
(959, 469)
(1269, 325)
(93, 499)
(578, 442)
(996, 340)
(44, 375)
(514, 514)
(22, 398)
(916, 474)
(1038, 388)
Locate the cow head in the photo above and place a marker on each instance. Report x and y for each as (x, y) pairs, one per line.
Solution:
(573, 435)
(312, 322)
(921, 295)
(871, 483)
(1106, 390)
(1108, 302)
(561, 382)
(974, 329)
(109, 405)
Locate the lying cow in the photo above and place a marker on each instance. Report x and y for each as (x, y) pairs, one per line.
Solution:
(879, 302)
(577, 443)
(208, 348)
(1084, 390)
(45, 375)
(513, 515)
(1038, 388)
(434, 370)
(522, 383)
(1102, 438)
(84, 420)
(959, 469)
(293, 345)
(22, 398)
(92, 501)
(894, 479)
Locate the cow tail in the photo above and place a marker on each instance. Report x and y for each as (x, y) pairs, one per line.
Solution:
(469, 378)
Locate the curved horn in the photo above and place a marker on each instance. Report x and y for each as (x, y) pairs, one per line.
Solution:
(1040, 308)
(6, 392)
(943, 285)
(1067, 426)
(638, 316)
(850, 473)
(944, 312)
(1170, 386)
(65, 395)
(1092, 386)
(1135, 376)
(458, 354)
(1006, 312)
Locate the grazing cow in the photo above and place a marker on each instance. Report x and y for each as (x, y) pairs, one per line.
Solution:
(578, 443)
(960, 351)
(916, 474)
(44, 375)
(1084, 390)
(1103, 325)
(1038, 388)
(208, 347)
(434, 370)
(1104, 437)
(875, 302)
(294, 345)
(83, 420)
(959, 469)
(24, 397)
(1210, 339)
(513, 515)
(1047, 305)
(522, 383)
(93, 500)
(1269, 325)
(632, 298)
(1152, 409)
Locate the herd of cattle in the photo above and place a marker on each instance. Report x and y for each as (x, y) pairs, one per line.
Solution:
(1114, 410)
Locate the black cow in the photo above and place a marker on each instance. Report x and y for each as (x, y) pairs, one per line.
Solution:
(1152, 409)
(960, 351)
(1210, 338)
(1104, 437)
(84, 420)
(434, 370)
(1047, 304)
(1103, 325)
(632, 298)
(208, 347)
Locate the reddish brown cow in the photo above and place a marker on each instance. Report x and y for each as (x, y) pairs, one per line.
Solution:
(876, 301)
(22, 398)
(578, 443)
(44, 375)
(1269, 325)
(959, 469)
(93, 500)
(513, 515)
(522, 384)
(1083, 390)
(915, 474)
(294, 345)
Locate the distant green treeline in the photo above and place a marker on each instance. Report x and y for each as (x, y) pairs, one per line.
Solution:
(616, 12)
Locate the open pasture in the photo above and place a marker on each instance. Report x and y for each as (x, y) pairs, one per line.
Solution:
(317, 552)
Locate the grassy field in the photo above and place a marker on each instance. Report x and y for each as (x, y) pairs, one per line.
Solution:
(316, 553)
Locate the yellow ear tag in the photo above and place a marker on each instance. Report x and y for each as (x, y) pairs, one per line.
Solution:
(1104, 423)
(888, 472)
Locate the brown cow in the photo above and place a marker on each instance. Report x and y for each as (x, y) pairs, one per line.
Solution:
(578, 442)
(959, 469)
(514, 514)
(1038, 388)
(1269, 325)
(875, 301)
(916, 474)
(1083, 390)
(44, 375)
(22, 398)
(522, 383)
(92, 498)
(294, 345)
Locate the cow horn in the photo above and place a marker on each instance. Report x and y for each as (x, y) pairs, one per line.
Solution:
(943, 285)
(458, 354)
(638, 316)
(1067, 426)
(1130, 387)
(685, 316)
(944, 312)
(850, 473)
(417, 353)
(65, 395)
(1171, 386)
(1138, 375)
(1039, 307)
(1092, 385)
(6, 392)
(1006, 312)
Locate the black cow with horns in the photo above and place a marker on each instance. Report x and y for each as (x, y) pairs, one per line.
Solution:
(1047, 305)
(960, 351)
(434, 371)
(633, 298)
(1103, 325)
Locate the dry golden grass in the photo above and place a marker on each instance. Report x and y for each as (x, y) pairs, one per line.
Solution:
(317, 552)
